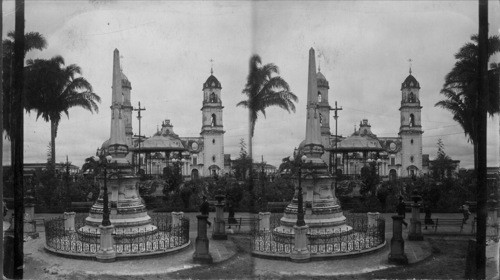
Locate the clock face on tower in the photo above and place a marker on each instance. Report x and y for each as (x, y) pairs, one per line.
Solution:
(393, 147)
(194, 146)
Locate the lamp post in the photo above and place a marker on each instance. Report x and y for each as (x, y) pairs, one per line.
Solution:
(300, 210)
(102, 162)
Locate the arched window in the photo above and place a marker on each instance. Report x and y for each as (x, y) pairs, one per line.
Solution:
(411, 98)
(412, 120)
(214, 122)
(319, 96)
(213, 158)
(213, 98)
(412, 159)
(213, 141)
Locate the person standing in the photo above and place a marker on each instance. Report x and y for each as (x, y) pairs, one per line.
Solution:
(401, 210)
(465, 212)
(427, 220)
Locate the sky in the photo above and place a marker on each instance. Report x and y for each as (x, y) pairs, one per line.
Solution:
(363, 50)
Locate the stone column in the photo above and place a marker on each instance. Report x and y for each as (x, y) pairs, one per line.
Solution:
(201, 253)
(300, 253)
(177, 218)
(415, 233)
(220, 226)
(107, 252)
(69, 221)
(397, 254)
(372, 219)
(264, 221)
(29, 216)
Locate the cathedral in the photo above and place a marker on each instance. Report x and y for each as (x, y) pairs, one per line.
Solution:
(398, 156)
(200, 156)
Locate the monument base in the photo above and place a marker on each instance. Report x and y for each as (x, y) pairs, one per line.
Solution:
(106, 253)
(300, 253)
(415, 233)
(201, 252)
(397, 254)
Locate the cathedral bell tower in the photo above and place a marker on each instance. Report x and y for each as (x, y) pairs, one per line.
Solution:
(410, 130)
(212, 129)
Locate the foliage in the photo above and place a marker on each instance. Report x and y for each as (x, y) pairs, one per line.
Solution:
(264, 89)
(173, 179)
(461, 86)
(370, 179)
(52, 89)
(242, 165)
(443, 165)
(32, 41)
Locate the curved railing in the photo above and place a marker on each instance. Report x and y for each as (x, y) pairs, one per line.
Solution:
(360, 239)
(84, 244)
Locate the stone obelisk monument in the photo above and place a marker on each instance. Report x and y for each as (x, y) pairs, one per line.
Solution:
(323, 214)
(128, 213)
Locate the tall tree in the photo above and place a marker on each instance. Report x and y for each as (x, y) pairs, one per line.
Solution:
(443, 166)
(264, 88)
(32, 41)
(53, 89)
(461, 86)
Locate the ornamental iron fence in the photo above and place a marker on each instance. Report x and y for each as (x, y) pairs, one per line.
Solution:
(86, 242)
(325, 243)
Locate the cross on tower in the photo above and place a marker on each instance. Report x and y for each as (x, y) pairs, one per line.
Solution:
(211, 66)
(409, 61)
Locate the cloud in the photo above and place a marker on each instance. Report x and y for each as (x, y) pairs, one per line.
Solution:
(166, 46)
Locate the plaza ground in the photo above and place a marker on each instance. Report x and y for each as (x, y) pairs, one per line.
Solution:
(440, 255)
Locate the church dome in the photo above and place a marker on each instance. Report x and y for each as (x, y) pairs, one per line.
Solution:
(161, 142)
(164, 140)
(321, 80)
(410, 82)
(212, 82)
(357, 142)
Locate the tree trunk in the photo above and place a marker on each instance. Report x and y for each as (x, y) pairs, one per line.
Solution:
(18, 115)
(250, 173)
(53, 134)
(481, 119)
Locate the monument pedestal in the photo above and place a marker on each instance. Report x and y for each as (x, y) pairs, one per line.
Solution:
(220, 226)
(397, 254)
(106, 253)
(201, 253)
(415, 233)
(300, 253)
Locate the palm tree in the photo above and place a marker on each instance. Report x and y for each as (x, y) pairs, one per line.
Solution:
(32, 41)
(265, 89)
(461, 87)
(53, 89)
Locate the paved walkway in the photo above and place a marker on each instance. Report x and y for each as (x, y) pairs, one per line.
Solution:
(42, 265)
